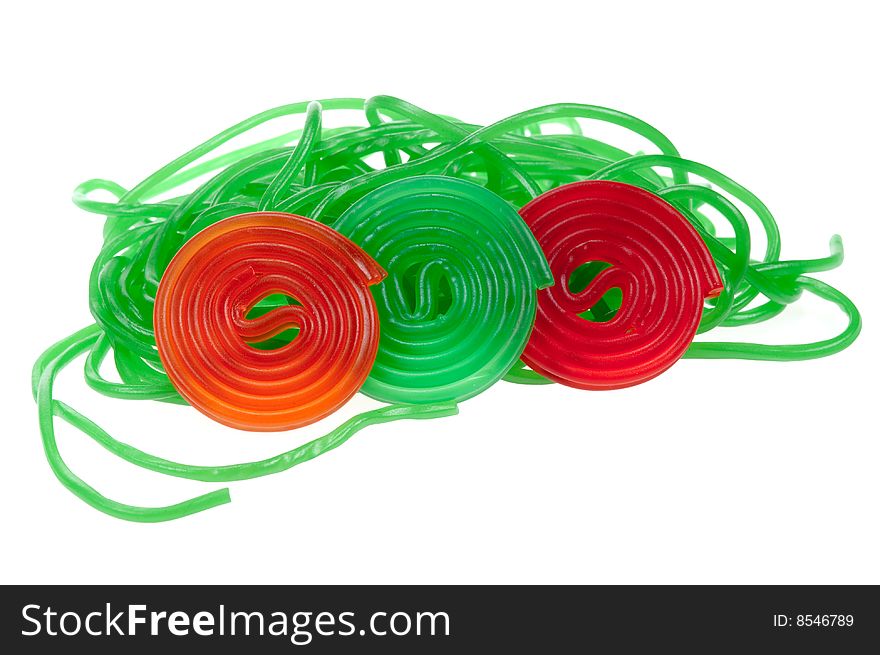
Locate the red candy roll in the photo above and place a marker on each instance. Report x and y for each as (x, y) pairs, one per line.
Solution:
(657, 260)
(204, 336)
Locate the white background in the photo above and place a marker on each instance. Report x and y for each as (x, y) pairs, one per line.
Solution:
(718, 471)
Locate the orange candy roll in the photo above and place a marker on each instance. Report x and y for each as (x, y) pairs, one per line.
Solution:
(206, 336)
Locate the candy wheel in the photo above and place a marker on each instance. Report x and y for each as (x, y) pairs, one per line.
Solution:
(209, 344)
(602, 237)
(459, 301)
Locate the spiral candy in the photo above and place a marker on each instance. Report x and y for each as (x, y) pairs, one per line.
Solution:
(459, 302)
(657, 260)
(202, 329)
(248, 283)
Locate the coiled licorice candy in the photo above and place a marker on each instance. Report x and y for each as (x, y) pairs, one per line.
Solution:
(205, 336)
(635, 243)
(459, 302)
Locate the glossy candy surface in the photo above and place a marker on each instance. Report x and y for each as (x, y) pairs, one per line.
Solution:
(459, 301)
(205, 337)
(615, 236)
(321, 171)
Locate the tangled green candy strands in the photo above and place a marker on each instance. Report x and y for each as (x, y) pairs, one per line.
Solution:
(434, 201)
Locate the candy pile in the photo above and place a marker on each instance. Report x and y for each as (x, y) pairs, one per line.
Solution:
(303, 271)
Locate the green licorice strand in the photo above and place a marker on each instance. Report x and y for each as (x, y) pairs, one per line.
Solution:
(311, 134)
(97, 354)
(496, 162)
(58, 356)
(797, 267)
(519, 374)
(222, 161)
(779, 274)
(46, 369)
(143, 189)
(755, 315)
(81, 199)
(794, 352)
(268, 466)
